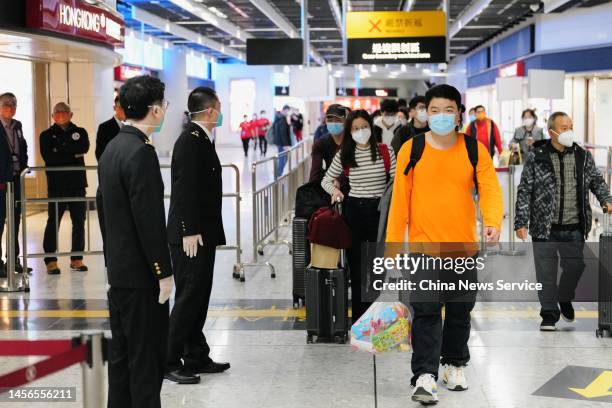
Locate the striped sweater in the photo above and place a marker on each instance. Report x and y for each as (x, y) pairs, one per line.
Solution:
(367, 180)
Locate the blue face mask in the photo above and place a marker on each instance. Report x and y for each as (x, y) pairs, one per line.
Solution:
(335, 128)
(472, 118)
(219, 120)
(442, 124)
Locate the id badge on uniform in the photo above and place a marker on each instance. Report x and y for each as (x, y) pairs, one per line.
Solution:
(15, 163)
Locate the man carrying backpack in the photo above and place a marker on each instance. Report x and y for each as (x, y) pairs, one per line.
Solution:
(282, 136)
(439, 213)
(485, 131)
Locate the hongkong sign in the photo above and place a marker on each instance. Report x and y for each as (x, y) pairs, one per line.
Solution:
(76, 18)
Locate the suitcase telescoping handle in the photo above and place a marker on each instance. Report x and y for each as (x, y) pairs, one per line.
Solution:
(338, 207)
(606, 220)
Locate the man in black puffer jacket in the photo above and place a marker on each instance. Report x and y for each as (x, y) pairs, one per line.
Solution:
(65, 144)
(553, 207)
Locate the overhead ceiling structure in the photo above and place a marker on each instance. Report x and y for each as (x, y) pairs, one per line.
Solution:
(221, 27)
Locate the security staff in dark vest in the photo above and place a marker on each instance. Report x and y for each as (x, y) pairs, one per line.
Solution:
(65, 144)
(137, 253)
(13, 160)
(195, 228)
(107, 132)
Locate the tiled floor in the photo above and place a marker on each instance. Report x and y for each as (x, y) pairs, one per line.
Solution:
(254, 326)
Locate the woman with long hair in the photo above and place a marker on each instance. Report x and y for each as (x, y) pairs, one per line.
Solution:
(368, 166)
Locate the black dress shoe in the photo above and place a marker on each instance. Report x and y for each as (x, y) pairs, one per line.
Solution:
(209, 368)
(182, 376)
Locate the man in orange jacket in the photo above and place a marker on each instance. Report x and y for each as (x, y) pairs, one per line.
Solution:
(442, 212)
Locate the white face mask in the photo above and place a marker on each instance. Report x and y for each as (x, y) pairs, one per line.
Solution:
(361, 136)
(528, 122)
(566, 138)
(421, 116)
(389, 120)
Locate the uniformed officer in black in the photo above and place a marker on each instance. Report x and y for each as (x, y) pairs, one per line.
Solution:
(13, 160)
(65, 144)
(195, 228)
(107, 132)
(137, 253)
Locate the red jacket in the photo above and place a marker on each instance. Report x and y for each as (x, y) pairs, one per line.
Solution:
(483, 134)
(246, 130)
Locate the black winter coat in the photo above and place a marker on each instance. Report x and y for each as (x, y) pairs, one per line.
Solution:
(59, 147)
(535, 201)
(6, 161)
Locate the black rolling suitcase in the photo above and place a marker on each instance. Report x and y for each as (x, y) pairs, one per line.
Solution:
(605, 280)
(327, 304)
(301, 259)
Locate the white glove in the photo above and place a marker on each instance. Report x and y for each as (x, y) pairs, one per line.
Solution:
(165, 289)
(190, 245)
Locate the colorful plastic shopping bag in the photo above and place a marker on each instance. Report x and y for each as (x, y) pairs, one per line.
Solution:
(384, 327)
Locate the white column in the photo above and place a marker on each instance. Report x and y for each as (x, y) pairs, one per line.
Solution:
(174, 76)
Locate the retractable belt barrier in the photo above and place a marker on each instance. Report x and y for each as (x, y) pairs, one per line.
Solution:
(273, 203)
(89, 349)
(20, 281)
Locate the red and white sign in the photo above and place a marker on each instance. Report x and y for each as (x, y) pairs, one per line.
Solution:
(513, 70)
(125, 72)
(76, 18)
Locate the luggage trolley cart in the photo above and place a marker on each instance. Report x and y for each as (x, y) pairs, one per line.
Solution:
(604, 320)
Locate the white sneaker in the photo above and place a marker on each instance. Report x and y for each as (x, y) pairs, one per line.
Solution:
(425, 390)
(454, 378)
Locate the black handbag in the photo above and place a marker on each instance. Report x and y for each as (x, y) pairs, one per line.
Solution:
(309, 198)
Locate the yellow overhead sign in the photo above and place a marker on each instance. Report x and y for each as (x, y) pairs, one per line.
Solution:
(395, 24)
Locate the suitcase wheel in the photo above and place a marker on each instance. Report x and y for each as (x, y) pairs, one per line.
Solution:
(260, 250)
(298, 302)
(601, 332)
(290, 251)
(309, 339)
(340, 339)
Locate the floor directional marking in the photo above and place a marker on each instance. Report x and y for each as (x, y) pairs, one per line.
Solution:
(579, 383)
(600, 387)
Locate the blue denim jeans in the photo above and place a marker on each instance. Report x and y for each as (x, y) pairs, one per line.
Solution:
(282, 160)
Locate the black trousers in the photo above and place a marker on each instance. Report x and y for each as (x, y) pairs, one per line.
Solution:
(100, 208)
(435, 342)
(17, 214)
(139, 326)
(245, 146)
(77, 216)
(361, 215)
(569, 246)
(193, 278)
(263, 145)
(432, 340)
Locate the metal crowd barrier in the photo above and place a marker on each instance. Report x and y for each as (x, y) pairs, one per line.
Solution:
(606, 170)
(88, 350)
(21, 283)
(273, 203)
(13, 283)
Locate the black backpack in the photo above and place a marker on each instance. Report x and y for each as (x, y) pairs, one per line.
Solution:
(418, 145)
(474, 134)
(309, 198)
